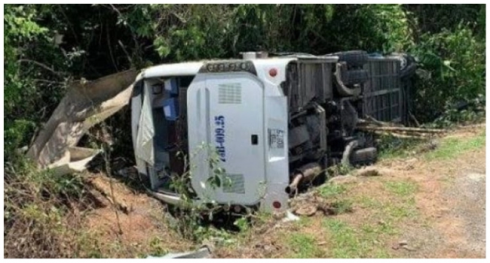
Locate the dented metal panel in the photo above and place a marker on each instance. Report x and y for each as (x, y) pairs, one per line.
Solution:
(83, 106)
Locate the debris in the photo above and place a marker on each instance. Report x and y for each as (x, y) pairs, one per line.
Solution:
(290, 217)
(400, 129)
(83, 106)
(403, 243)
(74, 159)
(306, 210)
(278, 215)
(403, 136)
(396, 130)
(203, 252)
(319, 205)
(373, 121)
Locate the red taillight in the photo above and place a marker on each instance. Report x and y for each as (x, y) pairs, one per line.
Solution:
(276, 204)
(273, 72)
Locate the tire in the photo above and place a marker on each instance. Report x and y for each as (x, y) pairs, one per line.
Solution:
(355, 76)
(353, 58)
(408, 71)
(408, 65)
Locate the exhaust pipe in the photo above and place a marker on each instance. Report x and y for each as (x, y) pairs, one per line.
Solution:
(305, 173)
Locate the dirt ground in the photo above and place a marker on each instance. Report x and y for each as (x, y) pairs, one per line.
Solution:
(451, 200)
(139, 230)
(421, 206)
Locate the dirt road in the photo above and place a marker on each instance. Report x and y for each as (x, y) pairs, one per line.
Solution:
(451, 200)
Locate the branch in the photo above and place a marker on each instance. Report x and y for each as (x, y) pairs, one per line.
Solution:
(42, 66)
(110, 49)
(127, 54)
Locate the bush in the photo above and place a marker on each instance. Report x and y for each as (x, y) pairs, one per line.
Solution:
(451, 69)
(39, 219)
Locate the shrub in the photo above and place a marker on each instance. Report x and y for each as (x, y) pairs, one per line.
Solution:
(451, 69)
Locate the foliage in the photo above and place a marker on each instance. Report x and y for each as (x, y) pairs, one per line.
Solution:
(452, 69)
(21, 31)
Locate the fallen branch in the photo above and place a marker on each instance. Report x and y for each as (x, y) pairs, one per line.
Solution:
(414, 119)
(395, 129)
(371, 120)
(405, 136)
(44, 66)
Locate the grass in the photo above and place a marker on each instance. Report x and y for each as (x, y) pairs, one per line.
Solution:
(369, 202)
(38, 219)
(303, 221)
(157, 248)
(304, 246)
(390, 211)
(331, 190)
(403, 203)
(403, 211)
(452, 147)
(392, 147)
(401, 188)
(342, 206)
(348, 242)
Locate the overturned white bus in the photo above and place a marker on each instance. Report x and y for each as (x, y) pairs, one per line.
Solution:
(272, 122)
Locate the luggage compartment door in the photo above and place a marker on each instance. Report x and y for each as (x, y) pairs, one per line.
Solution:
(226, 115)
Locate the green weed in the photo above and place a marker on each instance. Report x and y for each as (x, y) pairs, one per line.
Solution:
(401, 188)
(331, 190)
(304, 246)
(452, 147)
